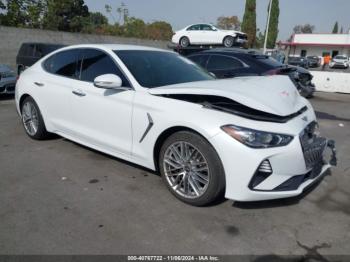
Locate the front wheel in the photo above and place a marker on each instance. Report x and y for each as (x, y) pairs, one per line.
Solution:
(32, 120)
(228, 41)
(191, 169)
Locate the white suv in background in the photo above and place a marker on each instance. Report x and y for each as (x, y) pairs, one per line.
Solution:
(339, 61)
(206, 34)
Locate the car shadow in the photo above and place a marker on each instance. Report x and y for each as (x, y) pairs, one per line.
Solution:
(101, 154)
(280, 202)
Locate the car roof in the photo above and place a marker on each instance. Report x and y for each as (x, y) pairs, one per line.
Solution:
(117, 47)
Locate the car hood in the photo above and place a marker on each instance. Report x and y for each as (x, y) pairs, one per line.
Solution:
(272, 94)
(232, 32)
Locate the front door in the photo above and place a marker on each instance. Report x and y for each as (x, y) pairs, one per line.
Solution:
(102, 116)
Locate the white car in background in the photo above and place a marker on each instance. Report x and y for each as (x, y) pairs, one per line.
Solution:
(207, 34)
(248, 138)
(339, 61)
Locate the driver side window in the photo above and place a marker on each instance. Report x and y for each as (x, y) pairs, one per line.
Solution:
(206, 28)
(96, 63)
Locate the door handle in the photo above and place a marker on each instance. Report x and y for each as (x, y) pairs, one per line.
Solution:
(38, 84)
(78, 93)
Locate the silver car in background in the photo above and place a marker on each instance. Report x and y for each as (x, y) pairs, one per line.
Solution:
(7, 80)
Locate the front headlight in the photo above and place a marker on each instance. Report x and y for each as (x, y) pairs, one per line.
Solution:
(257, 139)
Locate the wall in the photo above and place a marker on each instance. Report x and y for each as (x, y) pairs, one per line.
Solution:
(12, 38)
(331, 81)
(318, 50)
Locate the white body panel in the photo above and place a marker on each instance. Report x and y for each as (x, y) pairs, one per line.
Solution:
(114, 121)
(202, 37)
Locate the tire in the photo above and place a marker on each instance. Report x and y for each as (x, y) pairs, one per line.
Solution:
(184, 41)
(201, 171)
(32, 120)
(228, 41)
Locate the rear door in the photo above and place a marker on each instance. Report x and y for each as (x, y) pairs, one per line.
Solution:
(102, 117)
(55, 88)
(195, 35)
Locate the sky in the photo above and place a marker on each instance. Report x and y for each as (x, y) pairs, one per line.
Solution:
(179, 13)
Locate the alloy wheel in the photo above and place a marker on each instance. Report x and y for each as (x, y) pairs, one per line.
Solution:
(186, 170)
(30, 118)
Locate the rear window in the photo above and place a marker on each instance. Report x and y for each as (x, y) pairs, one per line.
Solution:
(27, 50)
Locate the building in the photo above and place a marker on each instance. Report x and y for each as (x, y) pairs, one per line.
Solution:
(318, 45)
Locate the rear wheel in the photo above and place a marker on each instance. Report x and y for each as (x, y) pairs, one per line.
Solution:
(191, 169)
(184, 42)
(32, 120)
(228, 41)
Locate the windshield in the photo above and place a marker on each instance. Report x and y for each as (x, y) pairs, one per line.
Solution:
(157, 68)
(340, 57)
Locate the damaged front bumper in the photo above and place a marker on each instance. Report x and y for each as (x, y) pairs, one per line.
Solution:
(274, 173)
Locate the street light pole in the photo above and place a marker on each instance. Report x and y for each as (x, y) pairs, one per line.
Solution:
(267, 26)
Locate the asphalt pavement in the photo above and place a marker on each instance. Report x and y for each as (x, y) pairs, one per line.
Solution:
(58, 197)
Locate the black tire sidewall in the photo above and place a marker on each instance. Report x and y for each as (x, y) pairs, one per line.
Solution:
(188, 41)
(41, 132)
(233, 41)
(216, 185)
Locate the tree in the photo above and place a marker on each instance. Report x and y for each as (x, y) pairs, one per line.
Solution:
(228, 22)
(273, 26)
(341, 30)
(159, 30)
(260, 39)
(304, 29)
(249, 22)
(134, 27)
(2, 5)
(335, 28)
(66, 15)
(95, 23)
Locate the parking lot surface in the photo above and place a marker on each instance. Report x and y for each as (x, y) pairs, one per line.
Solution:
(58, 197)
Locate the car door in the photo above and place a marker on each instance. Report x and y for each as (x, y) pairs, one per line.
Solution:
(224, 66)
(209, 36)
(54, 87)
(194, 34)
(102, 116)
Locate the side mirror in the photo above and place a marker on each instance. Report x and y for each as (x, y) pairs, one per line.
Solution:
(108, 81)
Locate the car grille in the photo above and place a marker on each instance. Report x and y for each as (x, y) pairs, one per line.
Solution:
(313, 146)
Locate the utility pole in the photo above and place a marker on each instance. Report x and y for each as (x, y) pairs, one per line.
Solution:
(267, 26)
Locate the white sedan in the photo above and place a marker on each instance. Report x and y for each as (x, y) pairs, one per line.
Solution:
(206, 34)
(248, 138)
